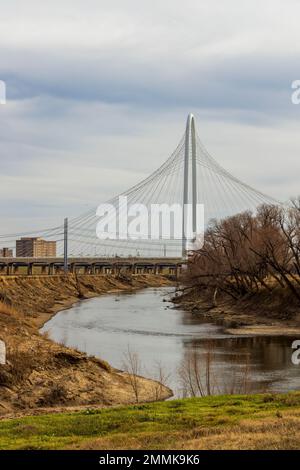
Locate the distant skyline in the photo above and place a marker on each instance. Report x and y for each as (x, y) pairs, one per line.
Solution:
(98, 94)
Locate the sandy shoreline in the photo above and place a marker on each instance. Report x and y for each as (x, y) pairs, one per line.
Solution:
(264, 330)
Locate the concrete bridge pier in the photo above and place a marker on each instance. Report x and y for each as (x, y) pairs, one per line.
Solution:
(92, 269)
(132, 269)
(73, 268)
(44, 269)
(15, 270)
(9, 269)
(50, 269)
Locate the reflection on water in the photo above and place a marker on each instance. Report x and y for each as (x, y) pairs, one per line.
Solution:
(106, 326)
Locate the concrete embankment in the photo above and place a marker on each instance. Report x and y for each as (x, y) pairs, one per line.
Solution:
(40, 373)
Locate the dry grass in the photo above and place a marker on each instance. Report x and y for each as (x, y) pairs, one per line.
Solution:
(279, 433)
(18, 368)
(282, 432)
(56, 394)
(6, 309)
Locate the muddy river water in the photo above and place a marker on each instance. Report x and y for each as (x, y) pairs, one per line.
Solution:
(146, 323)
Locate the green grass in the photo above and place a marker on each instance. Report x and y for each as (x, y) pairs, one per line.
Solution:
(156, 425)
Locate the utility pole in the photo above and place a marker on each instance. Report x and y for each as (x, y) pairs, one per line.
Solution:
(66, 245)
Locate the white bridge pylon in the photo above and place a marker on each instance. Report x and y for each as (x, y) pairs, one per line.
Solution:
(190, 176)
(190, 147)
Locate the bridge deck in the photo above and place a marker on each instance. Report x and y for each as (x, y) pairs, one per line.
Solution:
(50, 266)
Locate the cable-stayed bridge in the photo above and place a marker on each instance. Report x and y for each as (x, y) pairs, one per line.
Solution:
(189, 176)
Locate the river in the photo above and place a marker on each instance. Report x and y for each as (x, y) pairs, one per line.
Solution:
(146, 323)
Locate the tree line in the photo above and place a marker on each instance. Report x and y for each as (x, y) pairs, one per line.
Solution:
(250, 252)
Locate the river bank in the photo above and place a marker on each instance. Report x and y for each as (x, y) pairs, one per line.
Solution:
(259, 315)
(41, 297)
(40, 373)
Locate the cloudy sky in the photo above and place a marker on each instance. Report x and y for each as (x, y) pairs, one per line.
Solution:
(98, 93)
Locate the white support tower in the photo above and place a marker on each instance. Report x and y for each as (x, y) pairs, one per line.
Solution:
(190, 147)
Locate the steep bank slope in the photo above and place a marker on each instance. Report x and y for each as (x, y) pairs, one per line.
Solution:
(40, 373)
(39, 297)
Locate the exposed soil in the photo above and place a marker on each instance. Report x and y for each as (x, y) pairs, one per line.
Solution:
(41, 374)
(259, 315)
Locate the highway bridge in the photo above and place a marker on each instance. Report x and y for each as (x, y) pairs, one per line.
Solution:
(51, 266)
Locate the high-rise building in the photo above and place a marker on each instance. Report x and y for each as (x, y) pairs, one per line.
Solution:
(28, 247)
(6, 253)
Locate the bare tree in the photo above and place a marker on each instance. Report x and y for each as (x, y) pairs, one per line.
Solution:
(161, 380)
(132, 365)
(196, 373)
(199, 377)
(249, 253)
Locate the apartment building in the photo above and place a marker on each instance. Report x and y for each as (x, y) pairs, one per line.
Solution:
(6, 253)
(35, 247)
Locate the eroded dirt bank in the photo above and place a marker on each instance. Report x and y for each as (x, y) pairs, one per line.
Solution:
(259, 315)
(40, 373)
(40, 297)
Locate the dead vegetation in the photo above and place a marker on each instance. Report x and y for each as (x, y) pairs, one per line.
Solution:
(250, 259)
(56, 394)
(132, 365)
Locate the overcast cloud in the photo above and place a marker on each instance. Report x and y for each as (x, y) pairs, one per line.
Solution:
(98, 93)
